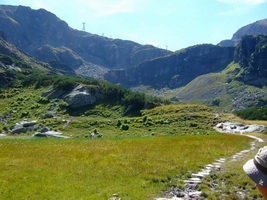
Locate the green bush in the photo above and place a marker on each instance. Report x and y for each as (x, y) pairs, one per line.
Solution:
(253, 113)
(125, 127)
(119, 123)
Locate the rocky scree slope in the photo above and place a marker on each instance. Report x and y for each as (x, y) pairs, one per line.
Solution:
(175, 70)
(39, 31)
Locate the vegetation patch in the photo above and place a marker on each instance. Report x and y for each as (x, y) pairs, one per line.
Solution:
(136, 168)
(253, 113)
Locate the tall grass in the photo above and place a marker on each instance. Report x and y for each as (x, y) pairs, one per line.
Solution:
(137, 168)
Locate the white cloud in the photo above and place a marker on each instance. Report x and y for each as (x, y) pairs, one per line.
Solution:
(251, 2)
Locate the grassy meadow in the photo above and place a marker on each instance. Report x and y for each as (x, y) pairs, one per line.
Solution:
(137, 157)
(134, 168)
(231, 182)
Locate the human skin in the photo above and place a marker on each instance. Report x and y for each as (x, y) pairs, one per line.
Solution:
(263, 190)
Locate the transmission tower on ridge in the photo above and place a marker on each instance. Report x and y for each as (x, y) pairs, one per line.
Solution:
(84, 26)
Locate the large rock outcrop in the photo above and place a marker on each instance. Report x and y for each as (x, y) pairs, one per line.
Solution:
(251, 54)
(33, 30)
(80, 96)
(177, 69)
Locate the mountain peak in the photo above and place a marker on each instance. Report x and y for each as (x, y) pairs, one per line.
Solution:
(256, 28)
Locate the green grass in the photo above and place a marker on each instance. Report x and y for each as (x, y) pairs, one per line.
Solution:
(162, 120)
(203, 87)
(95, 169)
(232, 180)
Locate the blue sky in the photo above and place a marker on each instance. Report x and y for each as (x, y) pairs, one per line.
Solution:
(172, 24)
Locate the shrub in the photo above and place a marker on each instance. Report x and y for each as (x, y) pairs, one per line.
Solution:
(63, 105)
(119, 123)
(43, 100)
(125, 127)
(253, 113)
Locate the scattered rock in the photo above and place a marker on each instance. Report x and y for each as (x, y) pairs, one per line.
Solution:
(45, 129)
(23, 126)
(95, 133)
(115, 197)
(79, 97)
(50, 114)
(229, 127)
(53, 134)
(6, 116)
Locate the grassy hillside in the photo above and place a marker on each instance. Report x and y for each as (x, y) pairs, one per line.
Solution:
(204, 87)
(105, 116)
(27, 96)
(222, 90)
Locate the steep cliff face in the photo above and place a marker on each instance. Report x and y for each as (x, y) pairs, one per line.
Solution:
(251, 54)
(64, 55)
(256, 28)
(177, 69)
(32, 30)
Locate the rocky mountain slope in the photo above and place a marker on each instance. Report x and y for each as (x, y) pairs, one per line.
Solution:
(241, 85)
(251, 54)
(46, 37)
(175, 70)
(15, 59)
(256, 28)
(198, 73)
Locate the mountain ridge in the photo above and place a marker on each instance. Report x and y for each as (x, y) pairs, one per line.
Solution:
(31, 30)
(256, 28)
(135, 66)
(175, 70)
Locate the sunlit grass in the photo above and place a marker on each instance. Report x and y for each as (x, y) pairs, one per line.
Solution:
(231, 182)
(137, 168)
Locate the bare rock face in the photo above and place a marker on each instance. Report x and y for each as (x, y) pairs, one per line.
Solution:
(251, 54)
(175, 70)
(79, 97)
(256, 28)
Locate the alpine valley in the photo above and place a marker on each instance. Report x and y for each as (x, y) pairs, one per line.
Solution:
(231, 75)
(84, 116)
